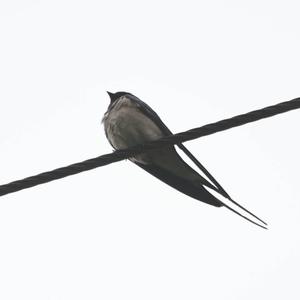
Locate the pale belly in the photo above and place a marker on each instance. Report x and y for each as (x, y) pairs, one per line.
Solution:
(126, 126)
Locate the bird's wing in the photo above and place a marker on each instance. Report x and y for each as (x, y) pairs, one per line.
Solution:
(151, 114)
(181, 184)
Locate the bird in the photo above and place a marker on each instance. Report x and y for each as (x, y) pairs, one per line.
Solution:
(129, 122)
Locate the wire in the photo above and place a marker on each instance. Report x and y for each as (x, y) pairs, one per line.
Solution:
(166, 141)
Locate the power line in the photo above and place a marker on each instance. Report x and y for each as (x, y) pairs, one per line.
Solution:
(166, 141)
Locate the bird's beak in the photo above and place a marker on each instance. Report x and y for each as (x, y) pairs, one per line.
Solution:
(109, 94)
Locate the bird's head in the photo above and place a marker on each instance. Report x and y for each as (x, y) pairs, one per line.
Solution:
(114, 96)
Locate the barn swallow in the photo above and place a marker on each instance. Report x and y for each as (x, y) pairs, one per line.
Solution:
(129, 122)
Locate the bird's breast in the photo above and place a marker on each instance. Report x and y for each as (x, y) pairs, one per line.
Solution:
(126, 125)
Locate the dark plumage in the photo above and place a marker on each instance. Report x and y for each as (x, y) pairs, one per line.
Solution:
(129, 121)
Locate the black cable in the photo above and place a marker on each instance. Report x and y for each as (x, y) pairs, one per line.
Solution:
(169, 140)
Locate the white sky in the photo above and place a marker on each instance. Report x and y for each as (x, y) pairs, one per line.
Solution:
(116, 232)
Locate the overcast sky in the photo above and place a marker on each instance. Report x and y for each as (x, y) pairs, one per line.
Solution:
(116, 232)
